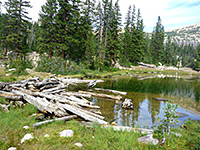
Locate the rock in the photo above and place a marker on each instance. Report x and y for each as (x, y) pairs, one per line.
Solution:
(46, 135)
(148, 139)
(66, 133)
(127, 104)
(13, 69)
(26, 127)
(12, 148)
(8, 74)
(26, 137)
(79, 145)
(113, 124)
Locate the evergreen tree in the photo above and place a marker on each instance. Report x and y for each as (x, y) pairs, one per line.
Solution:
(88, 38)
(197, 62)
(63, 19)
(3, 31)
(17, 24)
(113, 34)
(168, 53)
(99, 35)
(157, 42)
(48, 39)
(127, 40)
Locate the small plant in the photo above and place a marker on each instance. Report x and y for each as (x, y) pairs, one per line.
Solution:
(170, 118)
(20, 66)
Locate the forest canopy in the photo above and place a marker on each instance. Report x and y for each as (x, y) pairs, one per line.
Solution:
(90, 33)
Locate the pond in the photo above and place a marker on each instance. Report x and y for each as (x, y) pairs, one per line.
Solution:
(182, 91)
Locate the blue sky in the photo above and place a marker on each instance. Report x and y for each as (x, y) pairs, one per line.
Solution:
(174, 13)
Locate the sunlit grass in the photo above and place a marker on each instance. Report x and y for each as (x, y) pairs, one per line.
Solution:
(95, 137)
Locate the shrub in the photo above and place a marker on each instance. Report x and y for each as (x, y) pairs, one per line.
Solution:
(20, 66)
(170, 118)
(58, 65)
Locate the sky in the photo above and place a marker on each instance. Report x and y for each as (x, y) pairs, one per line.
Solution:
(174, 13)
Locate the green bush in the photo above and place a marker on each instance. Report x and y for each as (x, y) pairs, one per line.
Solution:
(124, 62)
(58, 65)
(20, 66)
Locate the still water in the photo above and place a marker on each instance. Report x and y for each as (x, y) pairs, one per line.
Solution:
(182, 91)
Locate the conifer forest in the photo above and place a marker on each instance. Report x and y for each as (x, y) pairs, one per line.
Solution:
(90, 33)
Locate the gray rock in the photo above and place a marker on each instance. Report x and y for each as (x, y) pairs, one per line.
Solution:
(26, 137)
(12, 148)
(13, 69)
(148, 139)
(66, 133)
(127, 104)
(46, 135)
(26, 127)
(79, 145)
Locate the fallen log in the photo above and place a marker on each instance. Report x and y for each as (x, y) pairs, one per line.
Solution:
(147, 65)
(119, 128)
(42, 104)
(2, 85)
(57, 119)
(5, 107)
(78, 112)
(160, 99)
(41, 84)
(118, 97)
(49, 96)
(112, 91)
(10, 96)
(51, 90)
(76, 81)
(76, 94)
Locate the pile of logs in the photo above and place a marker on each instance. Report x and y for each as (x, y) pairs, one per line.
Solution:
(50, 96)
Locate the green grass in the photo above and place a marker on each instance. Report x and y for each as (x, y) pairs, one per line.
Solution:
(12, 132)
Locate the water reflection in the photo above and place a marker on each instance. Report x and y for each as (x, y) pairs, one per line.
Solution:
(182, 91)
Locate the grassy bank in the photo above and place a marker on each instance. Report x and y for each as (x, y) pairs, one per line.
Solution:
(12, 132)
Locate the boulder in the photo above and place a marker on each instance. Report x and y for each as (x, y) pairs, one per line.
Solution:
(26, 137)
(79, 145)
(127, 104)
(148, 140)
(66, 133)
(12, 148)
(46, 135)
(26, 127)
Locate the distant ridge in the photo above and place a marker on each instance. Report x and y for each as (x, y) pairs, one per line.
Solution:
(187, 35)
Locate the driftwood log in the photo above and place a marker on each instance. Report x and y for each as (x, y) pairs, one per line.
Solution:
(50, 96)
(118, 97)
(160, 99)
(112, 91)
(57, 119)
(119, 128)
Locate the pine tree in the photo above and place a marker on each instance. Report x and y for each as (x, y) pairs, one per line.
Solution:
(168, 53)
(113, 33)
(3, 31)
(48, 32)
(62, 23)
(88, 38)
(157, 42)
(17, 24)
(99, 35)
(197, 62)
